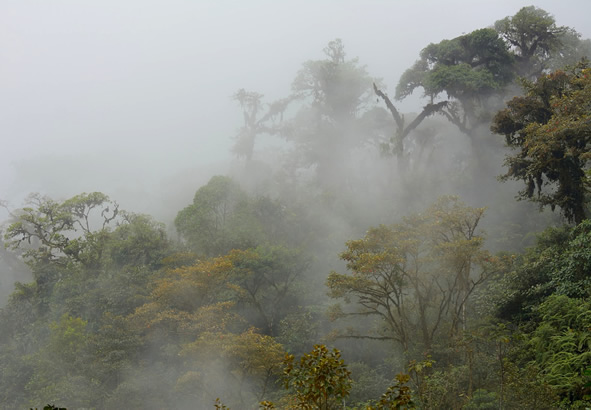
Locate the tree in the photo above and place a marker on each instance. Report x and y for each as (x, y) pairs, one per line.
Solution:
(48, 225)
(475, 69)
(57, 239)
(544, 300)
(335, 93)
(90, 274)
(61, 372)
(396, 144)
(417, 275)
(218, 220)
(115, 347)
(320, 379)
(267, 279)
(189, 300)
(223, 217)
(470, 69)
(398, 396)
(538, 43)
(248, 361)
(559, 264)
(332, 93)
(255, 123)
(550, 129)
(338, 88)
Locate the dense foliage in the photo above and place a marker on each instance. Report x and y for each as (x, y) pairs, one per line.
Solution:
(551, 129)
(336, 276)
(417, 276)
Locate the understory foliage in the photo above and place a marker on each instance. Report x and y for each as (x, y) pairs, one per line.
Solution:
(320, 380)
(334, 276)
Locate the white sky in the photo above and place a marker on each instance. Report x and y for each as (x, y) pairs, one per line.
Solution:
(122, 96)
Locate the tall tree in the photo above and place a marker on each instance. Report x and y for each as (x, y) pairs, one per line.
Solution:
(59, 237)
(470, 70)
(54, 229)
(550, 129)
(538, 43)
(395, 145)
(331, 95)
(258, 120)
(417, 276)
(334, 92)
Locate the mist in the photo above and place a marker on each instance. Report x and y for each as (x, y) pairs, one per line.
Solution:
(235, 183)
(109, 96)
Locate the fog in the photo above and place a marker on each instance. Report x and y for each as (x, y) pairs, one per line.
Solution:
(137, 100)
(134, 98)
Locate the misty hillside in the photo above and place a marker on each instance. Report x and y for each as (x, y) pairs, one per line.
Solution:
(308, 232)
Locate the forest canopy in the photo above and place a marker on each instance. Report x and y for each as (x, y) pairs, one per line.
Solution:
(374, 261)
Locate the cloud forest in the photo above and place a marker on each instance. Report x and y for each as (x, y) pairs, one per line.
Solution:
(352, 256)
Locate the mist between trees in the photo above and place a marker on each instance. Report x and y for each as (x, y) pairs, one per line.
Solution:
(353, 257)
